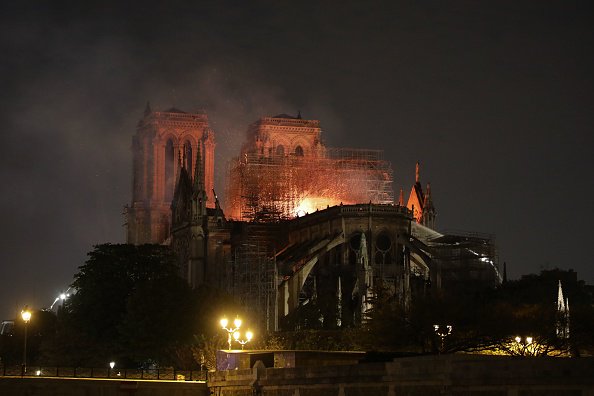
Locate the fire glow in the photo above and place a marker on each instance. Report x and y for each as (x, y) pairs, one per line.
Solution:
(311, 204)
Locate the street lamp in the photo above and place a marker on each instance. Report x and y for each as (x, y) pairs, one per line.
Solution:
(525, 347)
(236, 323)
(442, 331)
(248, 337)
(111, 366)
(26, 316)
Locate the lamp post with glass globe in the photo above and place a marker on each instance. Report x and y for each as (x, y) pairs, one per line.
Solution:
(236, 323)
(26, 316)
(248, 337)
(442, 331)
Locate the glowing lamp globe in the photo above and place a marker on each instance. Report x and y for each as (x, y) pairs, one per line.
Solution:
(26, 315)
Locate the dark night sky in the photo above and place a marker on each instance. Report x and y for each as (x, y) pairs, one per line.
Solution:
(496, 99)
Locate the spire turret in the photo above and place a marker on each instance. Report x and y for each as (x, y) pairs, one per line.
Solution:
(562, 314)
(560, 299)
(428, 215)
(179, 164)
(199, 194)
(198, 172)
(147, 109)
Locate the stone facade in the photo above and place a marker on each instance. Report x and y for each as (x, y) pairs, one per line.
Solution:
(164, 141)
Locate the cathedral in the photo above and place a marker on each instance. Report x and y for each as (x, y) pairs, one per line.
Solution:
(306, 232)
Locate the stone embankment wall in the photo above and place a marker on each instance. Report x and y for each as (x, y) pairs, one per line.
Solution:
(455, 375)
(39, 386)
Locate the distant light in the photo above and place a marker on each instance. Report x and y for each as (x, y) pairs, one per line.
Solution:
(224, 322)
(38, 373)
(237, 322)
(529, 340)
(26, 314)
(518, 339)
(63, 296)
(249, 335)
(236, 335)
(111, 365)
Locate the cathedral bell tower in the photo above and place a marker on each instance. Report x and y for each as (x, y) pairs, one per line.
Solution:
(159, 136)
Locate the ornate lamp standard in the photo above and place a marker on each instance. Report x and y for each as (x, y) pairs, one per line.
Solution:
(236, 323)
(26, 316)
(248, 337)
(442, 332)
(525, 347)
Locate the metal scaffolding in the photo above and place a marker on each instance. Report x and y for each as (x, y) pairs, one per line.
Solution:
(255, 278)
(268, 189)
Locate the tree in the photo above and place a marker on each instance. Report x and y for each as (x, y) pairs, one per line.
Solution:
(130, 304)
(158, 320)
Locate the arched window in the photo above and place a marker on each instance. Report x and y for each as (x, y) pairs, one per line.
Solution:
(280, 150)
(169, 176)
(354, 245)
(299, 151)
(383, 245)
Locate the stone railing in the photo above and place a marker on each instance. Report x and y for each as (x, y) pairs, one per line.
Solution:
(170, 374)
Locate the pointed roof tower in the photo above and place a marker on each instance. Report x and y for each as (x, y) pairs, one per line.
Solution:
(560, 299)
(416, 198)
(427, 202)
(429, 212)
(562, 314)
(199, 195)
(183, 184)
(198, 173)
(147, 109)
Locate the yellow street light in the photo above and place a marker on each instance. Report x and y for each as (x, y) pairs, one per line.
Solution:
(26, 316)
(248, 337)
(224, 322)
(526, 346)
(442, 331)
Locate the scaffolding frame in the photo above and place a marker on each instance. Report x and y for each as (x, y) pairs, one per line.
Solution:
(268, 189)
(255, 277)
